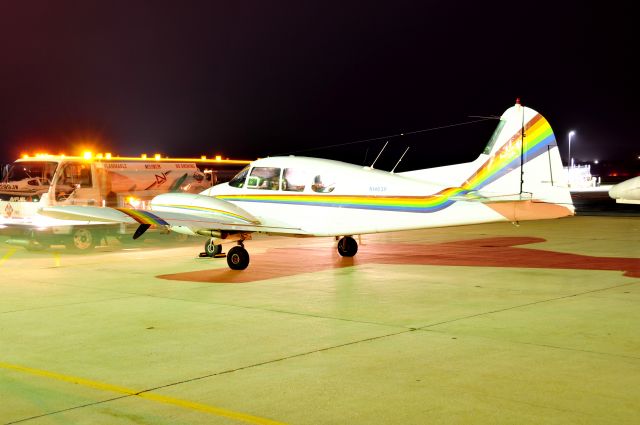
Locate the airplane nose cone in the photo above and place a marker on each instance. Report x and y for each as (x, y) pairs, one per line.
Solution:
(629, 189)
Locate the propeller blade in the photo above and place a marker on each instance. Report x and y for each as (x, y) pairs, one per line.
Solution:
(140, 230)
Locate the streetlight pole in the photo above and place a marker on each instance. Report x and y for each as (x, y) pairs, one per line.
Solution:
(571, 134)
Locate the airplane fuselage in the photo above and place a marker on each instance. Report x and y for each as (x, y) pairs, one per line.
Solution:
(330, 198)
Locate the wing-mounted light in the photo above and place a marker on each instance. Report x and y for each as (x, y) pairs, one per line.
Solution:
(202, 206)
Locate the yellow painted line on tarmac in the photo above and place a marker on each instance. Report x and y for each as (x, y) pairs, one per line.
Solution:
(56, 258)
(7, 255)
(213, 410)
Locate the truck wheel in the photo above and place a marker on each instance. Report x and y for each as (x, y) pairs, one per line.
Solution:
(82, 239)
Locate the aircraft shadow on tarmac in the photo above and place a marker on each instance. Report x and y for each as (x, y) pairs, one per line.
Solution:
(485, 252)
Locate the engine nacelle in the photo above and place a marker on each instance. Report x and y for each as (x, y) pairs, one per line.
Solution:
(202, 206)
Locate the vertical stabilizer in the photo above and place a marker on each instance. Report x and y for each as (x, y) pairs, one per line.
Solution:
(522, 162)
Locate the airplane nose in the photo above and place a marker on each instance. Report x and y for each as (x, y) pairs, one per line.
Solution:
(615, 192)
(629, 189)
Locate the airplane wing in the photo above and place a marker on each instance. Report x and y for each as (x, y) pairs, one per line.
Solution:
(199, 214)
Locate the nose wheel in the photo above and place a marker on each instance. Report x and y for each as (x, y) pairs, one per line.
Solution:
(211, 248)
(238, 258)
(347, 246)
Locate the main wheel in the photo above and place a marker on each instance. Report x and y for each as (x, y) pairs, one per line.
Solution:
(82, 239)
(347, 246)
(211, 249)
(238, 258)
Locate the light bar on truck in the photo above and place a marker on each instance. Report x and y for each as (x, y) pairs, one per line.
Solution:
(89, 156)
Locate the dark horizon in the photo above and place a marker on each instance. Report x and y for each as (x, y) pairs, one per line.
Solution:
(250, 79)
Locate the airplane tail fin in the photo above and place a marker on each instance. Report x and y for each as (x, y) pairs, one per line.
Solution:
(520, 172)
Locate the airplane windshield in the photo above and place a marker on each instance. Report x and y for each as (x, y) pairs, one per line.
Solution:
(494, 137)
(238, 180)
(34, 174)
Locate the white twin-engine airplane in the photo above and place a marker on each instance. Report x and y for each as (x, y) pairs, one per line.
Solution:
(300, 196)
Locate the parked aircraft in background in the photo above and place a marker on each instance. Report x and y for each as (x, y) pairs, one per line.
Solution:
(301, 196)
(626, 192)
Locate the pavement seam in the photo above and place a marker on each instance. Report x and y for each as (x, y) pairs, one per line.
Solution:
(69, 304)
(144, 394)
(315, 316)
(525, 305)
(267, 362)
(55, 412)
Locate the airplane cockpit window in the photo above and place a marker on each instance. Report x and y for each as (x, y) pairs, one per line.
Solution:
(294, 180)
(266, 178)
(323, 184)
(494, 137)
(238, 179)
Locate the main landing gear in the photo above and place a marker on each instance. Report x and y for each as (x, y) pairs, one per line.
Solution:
(347, 246)
(238, 257)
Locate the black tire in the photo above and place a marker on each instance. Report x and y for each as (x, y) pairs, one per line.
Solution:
(238, 258)
(82, 239)
(211, 249)
(347, 246)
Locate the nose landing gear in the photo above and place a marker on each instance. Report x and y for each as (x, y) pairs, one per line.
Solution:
(211, 248)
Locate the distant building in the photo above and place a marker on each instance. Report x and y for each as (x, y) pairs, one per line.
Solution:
(580, 177)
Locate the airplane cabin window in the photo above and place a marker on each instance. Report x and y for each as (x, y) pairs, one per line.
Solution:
(294, 180)
(323, 184)
(265, 178)
(238, 180)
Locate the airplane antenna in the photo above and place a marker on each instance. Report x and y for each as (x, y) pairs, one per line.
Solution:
(374, 161)
(405, 152)
(486, 117)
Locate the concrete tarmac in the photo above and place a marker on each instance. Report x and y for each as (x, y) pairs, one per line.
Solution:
(487, 324)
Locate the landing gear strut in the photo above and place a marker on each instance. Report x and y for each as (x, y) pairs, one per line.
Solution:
(347, 246)
(238, 257)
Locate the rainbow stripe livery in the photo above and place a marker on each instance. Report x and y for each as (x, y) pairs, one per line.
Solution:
(201, 210)
(143, 217)
(538, 136)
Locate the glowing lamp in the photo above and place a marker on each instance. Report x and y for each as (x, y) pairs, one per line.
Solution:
(107, 155)
(157, 157)
(87, 155)
(203, 157)
(143, 156)
(218, 158)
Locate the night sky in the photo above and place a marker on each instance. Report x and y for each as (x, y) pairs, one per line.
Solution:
(249, 79)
